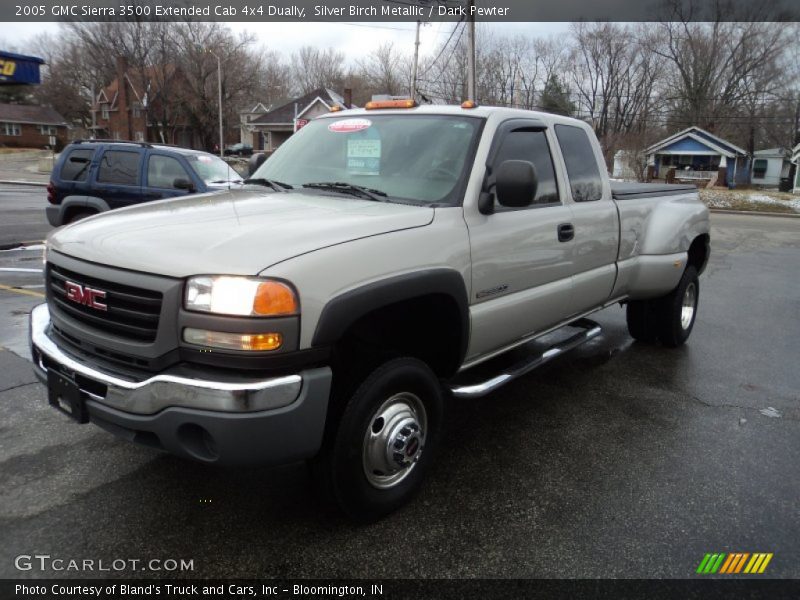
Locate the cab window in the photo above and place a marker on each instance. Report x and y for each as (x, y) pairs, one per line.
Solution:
(584, 176)
(530, 146)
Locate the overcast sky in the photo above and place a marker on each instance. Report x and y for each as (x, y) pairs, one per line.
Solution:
(354, 39)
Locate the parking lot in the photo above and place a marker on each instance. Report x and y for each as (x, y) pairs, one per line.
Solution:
(618, 460)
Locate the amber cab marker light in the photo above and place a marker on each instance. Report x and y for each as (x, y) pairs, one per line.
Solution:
(469, 104)
(376, 104)
(336, 108)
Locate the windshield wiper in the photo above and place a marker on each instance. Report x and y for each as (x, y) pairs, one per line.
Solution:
(275, 185)
(349, 188)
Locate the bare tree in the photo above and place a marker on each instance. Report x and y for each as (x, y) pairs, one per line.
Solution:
(385, 71)
(313, 68)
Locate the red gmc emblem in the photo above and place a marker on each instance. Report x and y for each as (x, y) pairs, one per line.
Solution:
(85, 295)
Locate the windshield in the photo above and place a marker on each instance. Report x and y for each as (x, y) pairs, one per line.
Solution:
(419, 158)
(212, 169)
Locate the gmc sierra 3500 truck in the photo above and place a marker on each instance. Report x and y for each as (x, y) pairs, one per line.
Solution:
(366, 269)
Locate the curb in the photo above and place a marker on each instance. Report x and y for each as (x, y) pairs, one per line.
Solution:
(754, 213)
(18, 182)
(15, 245)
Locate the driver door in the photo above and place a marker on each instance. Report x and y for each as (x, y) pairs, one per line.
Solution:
(521, 272)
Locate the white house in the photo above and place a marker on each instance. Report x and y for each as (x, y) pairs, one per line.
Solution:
(270, 129)
(246, 132)
(770, 166)
(697, 154)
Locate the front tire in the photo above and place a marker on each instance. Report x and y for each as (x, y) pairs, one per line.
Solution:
(379, 455)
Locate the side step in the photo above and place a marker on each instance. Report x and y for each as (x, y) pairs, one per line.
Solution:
(590, 330)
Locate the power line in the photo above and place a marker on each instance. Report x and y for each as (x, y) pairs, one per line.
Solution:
(438, 56)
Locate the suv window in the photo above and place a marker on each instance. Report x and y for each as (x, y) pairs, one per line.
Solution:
(76, 165)
(162, 171)
(584, 176)
(120, 167)
(531, 146)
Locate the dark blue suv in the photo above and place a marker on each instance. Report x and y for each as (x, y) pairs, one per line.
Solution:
(99, 175)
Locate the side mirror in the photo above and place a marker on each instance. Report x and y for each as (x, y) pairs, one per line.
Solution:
(255, 161)
(183, 184)
(516, 183)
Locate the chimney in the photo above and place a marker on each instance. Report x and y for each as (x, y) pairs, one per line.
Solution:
(123, 113)
(348, 97)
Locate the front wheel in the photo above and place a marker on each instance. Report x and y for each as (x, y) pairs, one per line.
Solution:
(385, 440)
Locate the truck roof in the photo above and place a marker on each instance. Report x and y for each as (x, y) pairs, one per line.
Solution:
(448, 109)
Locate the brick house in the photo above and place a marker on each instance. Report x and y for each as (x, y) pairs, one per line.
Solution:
(142, 105)
(31, 126)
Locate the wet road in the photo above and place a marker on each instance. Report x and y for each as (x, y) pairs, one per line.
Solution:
(22, 217)
(618, 460)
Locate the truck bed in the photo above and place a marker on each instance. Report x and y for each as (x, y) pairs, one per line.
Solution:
(627, 191)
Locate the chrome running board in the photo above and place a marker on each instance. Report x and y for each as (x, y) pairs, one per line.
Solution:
(590, 330)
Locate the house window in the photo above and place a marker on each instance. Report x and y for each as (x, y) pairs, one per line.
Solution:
(138, 136)
(48, 129)
(10, 129)
(137, 111)
(760, 168)
(104, 112)
(117, 136)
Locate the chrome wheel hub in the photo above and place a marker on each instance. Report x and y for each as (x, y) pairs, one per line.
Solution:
(689, 306)
(394, 440)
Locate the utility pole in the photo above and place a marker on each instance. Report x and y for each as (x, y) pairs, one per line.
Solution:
(219, 100)
(471, 51)
(416, 61)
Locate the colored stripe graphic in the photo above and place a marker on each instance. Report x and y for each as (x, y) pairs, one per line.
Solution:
(727, 564)
(734, 563)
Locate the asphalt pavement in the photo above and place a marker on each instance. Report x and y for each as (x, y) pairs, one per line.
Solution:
(620, 459)
(22, 217)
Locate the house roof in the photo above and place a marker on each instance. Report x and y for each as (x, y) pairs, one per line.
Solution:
(143, 83)
(702, 136)
(36, 115)
(286, 113)
(772, 153)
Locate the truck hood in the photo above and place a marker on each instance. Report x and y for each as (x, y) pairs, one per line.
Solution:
(238, 232)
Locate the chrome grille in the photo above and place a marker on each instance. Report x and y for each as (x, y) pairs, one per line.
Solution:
(132, 313)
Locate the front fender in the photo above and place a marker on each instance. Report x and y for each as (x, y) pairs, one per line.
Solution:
(341, 312)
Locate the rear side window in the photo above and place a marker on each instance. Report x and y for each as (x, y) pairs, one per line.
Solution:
(531, 146)
(119, 167)
(162, 171)
(76, 166)
(584, 176)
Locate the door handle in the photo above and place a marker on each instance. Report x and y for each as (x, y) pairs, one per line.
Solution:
(566, 232)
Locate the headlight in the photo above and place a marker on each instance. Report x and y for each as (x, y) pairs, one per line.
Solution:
(243, 296)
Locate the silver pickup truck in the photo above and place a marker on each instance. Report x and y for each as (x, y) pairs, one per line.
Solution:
(368, 269)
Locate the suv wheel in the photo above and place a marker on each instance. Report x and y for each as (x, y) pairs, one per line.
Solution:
(378, 456)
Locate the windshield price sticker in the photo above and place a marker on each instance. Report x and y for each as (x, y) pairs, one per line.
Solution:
(349, 125)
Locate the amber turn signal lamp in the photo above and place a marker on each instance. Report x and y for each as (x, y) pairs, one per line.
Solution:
(254, 342)
(469, 104)
(274, 299)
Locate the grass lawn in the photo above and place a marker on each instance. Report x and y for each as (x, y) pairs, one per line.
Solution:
(756, 200)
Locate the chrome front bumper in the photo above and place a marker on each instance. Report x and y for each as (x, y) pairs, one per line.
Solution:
(161, 391)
